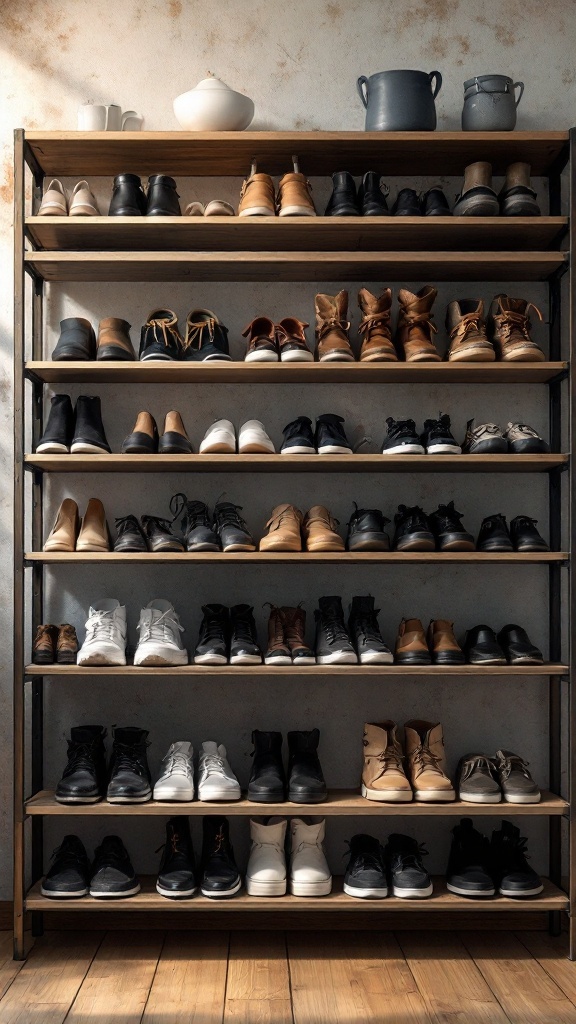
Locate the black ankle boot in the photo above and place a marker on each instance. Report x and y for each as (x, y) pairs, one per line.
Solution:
(306, 783)
(244, 649)
(344, 201)
(448, 530)
(129, 772)
(89, 436)
(128, 197)
(231, 528)
(220, 876)
(59, 429)
(407, 204)
(162, 197)
(177, 871)
(197, 529)
(77, 341)
(371, 197)
(267, 779)
(84, 777)
(494, 534)
(212, 646)
(365, 633)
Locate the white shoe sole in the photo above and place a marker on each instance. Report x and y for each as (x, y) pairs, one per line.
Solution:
(321, 888)
(277, 661)
(255, 888)
(223, 894)
(334, 449)
(413, 894)
(522, 798)
(303, 661)
(444, 449)
(337, 659)
(92, 547)
(520, 895)
(57, 210)
(210, 659)
(173, 795)
(99, 658)
(129, 799)
(56, 894)
(156, 655)
(298, 449)
(217, 448)
(468, 892)
(376, 658)
(262, 356)
(246, 659)
(257, 211)
(365, 894)
(181, 895)
(115, 895)
(481, 798)
(53, 448)
(434, 796)
(297, 211)
(297, 355)
(255, 448)
(77, 799)
(81, 448)
(391, 796)
(405, 449)
(213, 795)
(338, 357)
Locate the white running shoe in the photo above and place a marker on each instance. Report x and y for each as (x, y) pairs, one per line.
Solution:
(253, 438)
(266, 871)
(176, 779)
(105, 642)
(216, 780)
(159, 640)
(309, 871)
(219, 439)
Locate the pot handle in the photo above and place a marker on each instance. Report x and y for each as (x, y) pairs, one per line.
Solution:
(362, 86)
(437, 84)
(519, 85)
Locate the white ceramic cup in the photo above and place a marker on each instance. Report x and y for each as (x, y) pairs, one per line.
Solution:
(97, 117)
(92, 117)
(131, 121)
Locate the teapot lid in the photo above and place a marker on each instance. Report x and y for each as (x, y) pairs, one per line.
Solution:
(211, 82)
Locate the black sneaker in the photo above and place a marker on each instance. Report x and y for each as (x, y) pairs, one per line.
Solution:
(412, 531)
(477, 780)
(220, 877)
(298, 438)
(525, 536)
(494, 535)
(84, 777)
(306, 783)
(89, 435)
(59, 429)
(206, 339)
(129, 772)
(333, 644)
(448, 530)
(365, 632)
(69, 876)
(482, 648)
(365, 875)
(130, 536)
(407, 875)
(267, 779)
(244, 649)
(159, 337)
(366, 530)
(330, 438)
(231, 528)
(437, 437)
(212, 646)
(158, 534)
(518, 647)
(407, 204)
(112, 871)
(469, 871)
(199, 534)
(434, 203)
(514, 876)
(177, 871)
(402, 438)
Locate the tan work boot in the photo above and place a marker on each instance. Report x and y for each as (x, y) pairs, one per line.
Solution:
(295, 634)
(375, 327)
(257, 197)
(411, 646)
(114, 340)
(383, 776)
(283, 528)
(294, 197)
(415, 328)
(510, 327)
(332, 341)
(44, 646)
(518, 198)
(62, 536)
(278, 652)
(319, 530)
(94, 534)
(66, 645)
(478, 198)
(442, 643)
(467, 331)
(427, 761)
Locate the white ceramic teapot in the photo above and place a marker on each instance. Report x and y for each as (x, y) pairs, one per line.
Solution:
(213, 107)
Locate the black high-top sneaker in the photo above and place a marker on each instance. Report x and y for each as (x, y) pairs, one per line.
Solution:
(177, 871)
(469, 871)
(413, 532)
(330, 438)
(448, 530)
(267, 783)
(89, 435)
(306, 783)
(59, 429)
(366, 530)
(160, 338)
(130, 536)
(365, 875)
(130, 780)
(84, 777)
(112, 871)
(494, 534)
(333, 644)
(158, 534)
(69, 876)
(525, 536)
(244, 649)
(206, 339)
(402, 438)
(220, 877)
(344, 201)
(231, 528)
(197, 528)
(298, 437)
(365, 632)
(162, 197)
(212, 646)
(372, 197)
(407, 875)
(437, 437)
(514, 876)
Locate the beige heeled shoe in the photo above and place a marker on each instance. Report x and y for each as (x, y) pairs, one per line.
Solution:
(94, 533)
(62, 536)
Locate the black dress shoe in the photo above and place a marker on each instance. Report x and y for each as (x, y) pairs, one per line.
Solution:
(77, 340)
(267, 783)
(112, 871)
(494, 535)
(482, 648)
(525, 536)
(84, 777)
(59, 429)
(177, 872)
(518, 647)
(448, 530)
(231, 528)
(129, 772)
(435, 204)
(89, 436)
(160, 338)
(371, 196)
(212, 646)
(407, 204)
(366, 530)
(128, 197)
(344, 201)
(244, 649)
(413, 532)
(129, 536)
(220, 877)
(69, 875)
(298, 438)
(158, 534)
(162, 197)
(306, 783)
(199, 534)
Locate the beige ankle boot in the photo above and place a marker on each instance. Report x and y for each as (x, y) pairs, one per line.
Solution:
(427, 761)
(375, 327)
(478, 198)
(415, 328)
(94, 534)
(283, 528)
(294, 197)
(383, 776)
(510, 328)
(332, 342)
(257, 197)
(62, 536)
(518, 198)
(319, 530)
(466, 328)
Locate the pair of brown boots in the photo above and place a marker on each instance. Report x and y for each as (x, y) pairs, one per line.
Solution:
(258, 197)
(286, 638)
(413, 332)
(55, 644)
(438, 647)
(505, 335)
(71, 534)
(385, 777)
(290, 530)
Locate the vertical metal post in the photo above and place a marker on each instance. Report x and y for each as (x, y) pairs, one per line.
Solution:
(37, 711)
(572, 591)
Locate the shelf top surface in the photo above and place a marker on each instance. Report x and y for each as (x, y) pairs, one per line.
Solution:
(265, 671)
(298, 557)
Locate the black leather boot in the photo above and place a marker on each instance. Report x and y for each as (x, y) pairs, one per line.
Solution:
(59, 429)
(231, 528)
(494, 534)
(177, 871)
(89, 435)
(84, 777)
(244, 649)
(344, 201)
(435, 204)
(197, 529)
(129, 772)
(162, 197)
(366, 530)
(212, 646)
(371, 196)
(77, 340)
(407, 204)
(128, 197)
(525, 536)
(267, 783)
(306, 783)
(220, 876)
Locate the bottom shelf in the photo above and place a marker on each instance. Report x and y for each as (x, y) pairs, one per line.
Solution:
(552, 898)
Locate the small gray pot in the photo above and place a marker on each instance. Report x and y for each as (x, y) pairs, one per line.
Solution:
(490, 104)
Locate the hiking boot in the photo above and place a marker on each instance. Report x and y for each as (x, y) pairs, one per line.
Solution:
(262, 345)
(407, 875)
(59, 429)
(294, 197)
(162, 197)
(402, 438)
(412, 531)
(197, 526)
(319, 530)
(291, 341)
(466, 329)
(94, 534)
(44, 646)
(372, 197)
(407, 204)
(383, 775)
(375, 327)
(105, 640)
(333, 644)
(518, 647)
(469, 871)
(158, 534)
(174, 439)
(332, 340)
(448, 530)
(512, 873)
(252, 437)
(411, 646)
(427, 761)
(244, 649)
(365, 632)
(518, 786)
(477, 780)
(177, 872)
(160, 338)
(510, 327)
(278, 651)
(437, 437)
(366, 530)
(482, 648)
(485, 439)
(144, 437)
(69, 876)
(175, 780)
(216, 780)
(478, 198)
(309, 871)
(442, 643)
(266, 871)
(330, 437)
(129, 778)
(84, 777)
(128, 197)
(62, 536)
(306, 783)
(517, 197)
(494, 535)
(77, 341)
(434, 203)
(89, 435)
(114, 340)
(206, 339)
(257, 197)
(298, 438)
(159, 641)
(66, 645)
(231, 527)
(365, 875)
(525, 536)
(112, 871)
(524, 440)
(212, 646)
(415, 328)
(284, 530)
(267, 783)
(344, 201)
(295, 636)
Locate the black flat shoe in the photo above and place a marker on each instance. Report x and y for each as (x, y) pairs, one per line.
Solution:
(518, 647)
(482, 648)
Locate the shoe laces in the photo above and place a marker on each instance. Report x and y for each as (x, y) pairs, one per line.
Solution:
(219, 841)
(194, 337)
(400, 426)
(334, 628)
(124, 523)
(485, 428)
(80, 758)
(102, 625)
(177, 846)
(332, 323)
(159, 522)
(390, 758)
(129, 757)
(413, 513)
(212, 628)
(367, 625)
(176, 763)
(43, 635)
(167, 328)
(442, 423)
(510, 320)
(243, 628)
(409, 852)
(447, 515)
(470, 323)
(322, 519)
(425, 760)
(369, 323)
(294, 625)
(213, 764)
(410, 319)
(113, 855)
(227, 514)
(513, 763)
(363, 857)
(482, 764)
(196, 513)
(276, 627)
(69, 852)
(67, 634)
(161, 628)
(522, 428)
(286, 514)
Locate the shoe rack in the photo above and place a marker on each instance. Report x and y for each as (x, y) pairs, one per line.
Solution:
(292, 249)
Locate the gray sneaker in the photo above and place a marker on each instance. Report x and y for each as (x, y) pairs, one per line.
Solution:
(478, 779)
(488, 438)
(518, 786)
(524, 440)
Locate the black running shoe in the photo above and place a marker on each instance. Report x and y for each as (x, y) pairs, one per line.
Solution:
(413, 532)
(514, 876)
(365, 875)
(69, 876)
(402, 438)
(437, 437)
(469, 871)
(448, 530)
(407, 875)
(112, 871)
(333, 643)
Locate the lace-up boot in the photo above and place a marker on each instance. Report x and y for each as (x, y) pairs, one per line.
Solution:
(158, 534)
(333, 644)
(129, 535)
(477, 780)
(437, 437)
(162, 197)
(284, 530)
(89, 434)
(469, 871)
(415, 328)
(174, 440)
(383, 775)
(160, 338)
(212, 646)
(518, 647)
(494, 534)
(525, 536)
(524, 440)
(143, 440)
(59, 429)
(278, 651)
(257, 198)
(442, 643)
(177, 871)
(216, 780)
(298, 437)
(365, 632)
(159, 641)
(407, 875)
(231, 528)
(510, 326)
(518, 786)
(44, 646)
(309, 871)
(69, 876)
(84, 777)
(196, 523)
(412, 530)
(129, 781)
(401, 438)
(267, 783)
(112, 871)
(332, 326)
(291, 341)
(485, 439)
(427, 761)
(366, 530)
(176, 778)
(517, 197)
(375, 327)
(319, 530)
(448, 530)
(295, 636)
(411, 645)
(262, 344)
(466, 328)
(343, 201)
(66, 645)
(128, 197)
(244, 649)
(306, 783)
(206, 339)
(372, 196)
(294, 198)
(365, 875)
(266, 871)
(220, 877)
(105, 640)
(330, 436)
(512, 873)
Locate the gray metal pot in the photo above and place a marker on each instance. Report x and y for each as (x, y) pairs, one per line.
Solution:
(400, 101)
(490, 103)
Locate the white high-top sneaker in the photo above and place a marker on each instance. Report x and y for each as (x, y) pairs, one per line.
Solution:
(309, 871)
(176, 779)
(220, 439)
(216, 780)
(266, 872)
(253, 438)
(159, 640)
(105, 642)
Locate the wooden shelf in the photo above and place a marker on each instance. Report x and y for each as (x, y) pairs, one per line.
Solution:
(205, 154)
(340, 802)
(267, 671)
(298, 558)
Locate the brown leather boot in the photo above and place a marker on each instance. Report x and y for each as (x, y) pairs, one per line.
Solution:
(467, 331)
(294, 197)
(319, 530)
(375, 327)
(427, 761)
(383, 775)
(411, 646)
(443, 644)
(94, 534)
(257, 197)
(44, 646)
(284, 528)
(510, 326)
(295, 634)
(415, 328)
(66, 645)
(478, 198)
(291, 341)
(62, 536)
(278, 652)
(332, 341)
(262, 347)
(114, 340)
(518, 198)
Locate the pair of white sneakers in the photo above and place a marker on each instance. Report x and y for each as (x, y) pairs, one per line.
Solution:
(267, 872)
(159, 640)
(220, 439)
(216, 780)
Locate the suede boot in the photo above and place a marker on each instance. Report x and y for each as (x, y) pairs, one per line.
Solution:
(411, 646)
(257, 197)
(415, 328)
(509, 326)
(295, 636)
(114, 340)
(319, 530)
(375, 327)
(284, 530)
(466, 328)
(383, 775)
(427, 762)
(332, 341)
(294, 197)
(442, 643)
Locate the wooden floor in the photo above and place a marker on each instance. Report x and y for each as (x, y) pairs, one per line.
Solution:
(289, 978)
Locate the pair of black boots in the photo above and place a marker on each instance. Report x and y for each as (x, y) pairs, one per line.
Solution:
(478, 866)
(79, 430)
(368, 201)
(227, 635)
(130, 200)
(225, 530)
(218, 876)
(86, 780)
(268, 783)
(360, 641)
(374, 872)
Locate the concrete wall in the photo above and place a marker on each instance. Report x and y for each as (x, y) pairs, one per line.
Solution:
(299, 61)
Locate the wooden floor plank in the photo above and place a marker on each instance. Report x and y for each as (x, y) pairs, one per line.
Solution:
(190, 980)
(9, 968)
(258, 985)
(551, 952)
(117, 985)
(49, 980)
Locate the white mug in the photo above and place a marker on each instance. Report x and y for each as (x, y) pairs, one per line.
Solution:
(97, 117)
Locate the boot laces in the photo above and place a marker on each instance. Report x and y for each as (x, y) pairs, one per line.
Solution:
(387, 759)
(101, 626)
(322, 519)
(219, 841)
(126, 523)
(226, 514)
(166, 328)
(411, 318)
(161, 628)
(425, 760)
(196, 513)
(484, 765)
(510, 320)
(68, 853)
(369, 323)
(294, 626)
(447, 515)
(367, 624)
(213, 764)
(285, 515)
(80, 758)
(513, 763)
(334, 628)
(332, 323)
(212, 628)
(129, 757)
(471, 323)
(243, 629)
(176, 763)
(159, 522)
(43, 634)
(194, 337)
(67, 634)
(364, 857)
(276, 624)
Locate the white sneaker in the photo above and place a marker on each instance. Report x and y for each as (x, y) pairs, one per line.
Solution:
(159, 640)
(176, 779)
(220, 438)
(105, 642)
(216, 780)
(309, 871)
(253, 438)
(266, 871)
